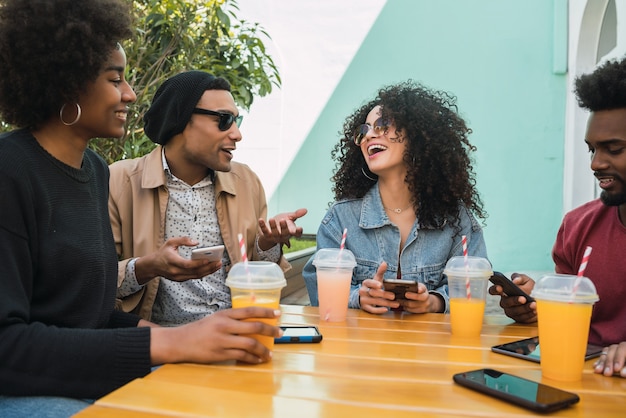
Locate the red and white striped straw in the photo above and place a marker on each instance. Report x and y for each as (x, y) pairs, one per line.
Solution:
(244, 258)
(343, 239)
(467, 280)
(242, 247)
(583, 264)
(581, 270)
(464, 242)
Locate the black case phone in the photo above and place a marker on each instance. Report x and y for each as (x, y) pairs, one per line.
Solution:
(527, 349)
(516, 390)
(299, 334)
(510, 288)
(400, 287)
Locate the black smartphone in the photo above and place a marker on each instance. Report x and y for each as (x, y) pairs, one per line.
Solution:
(299, 334)
(400, 287)
(510, 288)
(517, 390)
(528, 349)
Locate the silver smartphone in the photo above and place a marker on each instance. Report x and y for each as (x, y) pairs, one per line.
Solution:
(208, 253)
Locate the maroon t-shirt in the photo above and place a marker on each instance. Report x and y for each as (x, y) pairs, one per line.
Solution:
(597, 225)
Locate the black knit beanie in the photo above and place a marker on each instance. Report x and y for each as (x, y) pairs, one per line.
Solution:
(173, 103)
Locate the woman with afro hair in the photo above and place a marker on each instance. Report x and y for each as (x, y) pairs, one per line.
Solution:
(405, 191)
(61, 341)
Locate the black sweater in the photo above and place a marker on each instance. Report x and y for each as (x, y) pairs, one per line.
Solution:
(59, 334)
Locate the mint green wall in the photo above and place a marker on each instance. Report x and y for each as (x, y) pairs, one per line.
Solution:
(502, 59)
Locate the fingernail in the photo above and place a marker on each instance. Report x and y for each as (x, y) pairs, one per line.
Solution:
(277, 312)
(607, 370)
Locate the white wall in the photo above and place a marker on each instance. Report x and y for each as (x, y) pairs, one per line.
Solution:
(313, 42)
(585, 22)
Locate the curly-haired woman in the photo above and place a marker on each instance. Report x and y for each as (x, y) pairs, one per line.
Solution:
(405, 190)
(62, 83)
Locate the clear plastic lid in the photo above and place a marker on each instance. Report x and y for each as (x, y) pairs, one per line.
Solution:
(472, 267)
(334, 257)
(256, 275)
(565, 288)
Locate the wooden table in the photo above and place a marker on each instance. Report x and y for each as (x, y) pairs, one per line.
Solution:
(392, 365)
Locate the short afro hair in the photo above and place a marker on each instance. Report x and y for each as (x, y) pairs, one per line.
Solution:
(50, 50)
(603, 89)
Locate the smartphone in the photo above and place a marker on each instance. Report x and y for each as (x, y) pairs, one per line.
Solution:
(528, 349)
(400, 287)
(299, 334)
(510, 288)
(517, 390)
(209, 253)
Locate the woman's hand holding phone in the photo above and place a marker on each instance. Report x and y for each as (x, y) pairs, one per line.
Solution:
(373, 298)
(413, 296)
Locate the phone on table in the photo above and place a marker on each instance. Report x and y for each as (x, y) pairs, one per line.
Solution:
(510, 288)
(209, 253)
(299, 334)
(528, 349)
(517, 390)
(400, 287)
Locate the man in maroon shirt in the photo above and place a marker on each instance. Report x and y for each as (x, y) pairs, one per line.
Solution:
(600, 224)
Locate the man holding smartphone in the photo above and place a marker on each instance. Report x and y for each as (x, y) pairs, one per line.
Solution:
(187, 193)
(600, 224)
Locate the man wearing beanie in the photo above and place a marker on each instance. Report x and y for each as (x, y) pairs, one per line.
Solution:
(187, 193)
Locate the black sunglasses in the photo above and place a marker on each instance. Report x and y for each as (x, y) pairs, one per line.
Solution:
(226, 119)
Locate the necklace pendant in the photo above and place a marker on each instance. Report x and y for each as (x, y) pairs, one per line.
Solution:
(397, 210)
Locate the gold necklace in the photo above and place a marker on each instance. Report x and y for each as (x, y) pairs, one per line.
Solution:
(397, 210)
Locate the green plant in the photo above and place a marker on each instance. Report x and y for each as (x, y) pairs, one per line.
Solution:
(178, 35)
(298, 244)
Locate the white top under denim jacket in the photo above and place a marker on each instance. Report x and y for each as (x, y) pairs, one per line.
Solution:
(373, 239)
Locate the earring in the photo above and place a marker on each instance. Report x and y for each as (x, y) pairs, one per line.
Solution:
(78, 110)
(365, 174)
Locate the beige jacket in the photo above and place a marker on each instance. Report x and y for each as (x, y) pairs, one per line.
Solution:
(137, 203)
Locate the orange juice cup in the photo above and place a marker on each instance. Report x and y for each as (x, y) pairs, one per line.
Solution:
(563, 316)
(334, 274)
(467, 285)
(257, 283)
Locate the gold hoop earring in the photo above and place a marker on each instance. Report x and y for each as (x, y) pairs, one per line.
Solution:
(78, 110)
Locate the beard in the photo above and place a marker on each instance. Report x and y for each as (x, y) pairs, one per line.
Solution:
(614, 199)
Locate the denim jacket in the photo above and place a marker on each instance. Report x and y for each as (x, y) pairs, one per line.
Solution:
(373, 239)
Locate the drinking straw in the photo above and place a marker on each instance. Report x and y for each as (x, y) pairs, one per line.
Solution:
(581, 270)
(242, 247)
(342, 245)
(583, 265)
(244, 257)
(467, 280)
